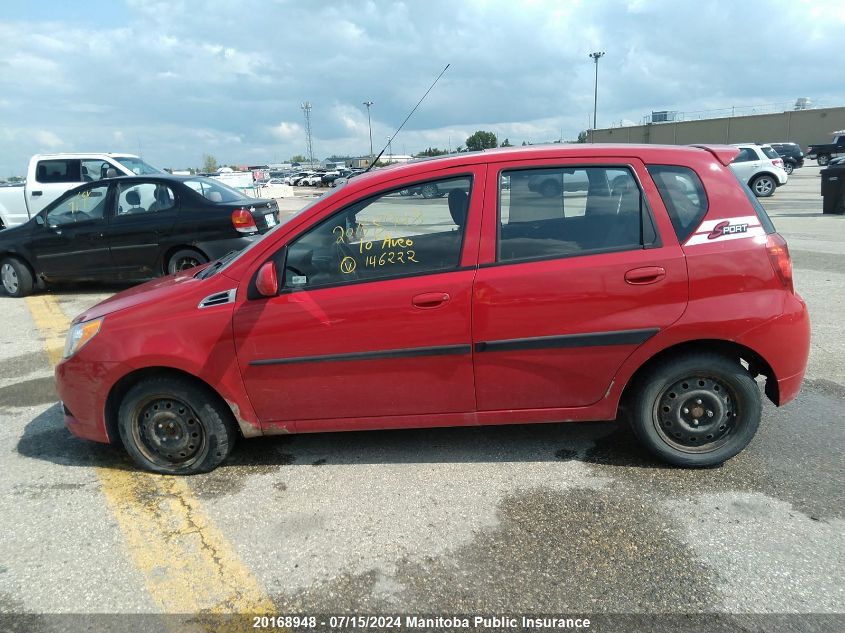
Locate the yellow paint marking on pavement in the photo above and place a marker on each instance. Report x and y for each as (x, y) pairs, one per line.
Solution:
(188, 565)
(51, 322)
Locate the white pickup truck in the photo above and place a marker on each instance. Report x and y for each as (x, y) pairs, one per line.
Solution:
(50, 175)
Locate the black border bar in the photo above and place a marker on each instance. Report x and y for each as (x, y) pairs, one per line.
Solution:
(442, 350)
(592, 339)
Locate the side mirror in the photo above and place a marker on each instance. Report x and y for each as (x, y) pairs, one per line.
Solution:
(267, 282)
(39, 220)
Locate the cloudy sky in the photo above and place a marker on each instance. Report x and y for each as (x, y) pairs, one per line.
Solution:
(173, 80)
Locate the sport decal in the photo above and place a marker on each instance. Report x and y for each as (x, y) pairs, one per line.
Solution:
(727, 229)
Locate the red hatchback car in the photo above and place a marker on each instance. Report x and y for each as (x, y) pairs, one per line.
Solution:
(642, 277)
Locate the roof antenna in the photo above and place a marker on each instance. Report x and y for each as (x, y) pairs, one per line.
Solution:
(406, 118)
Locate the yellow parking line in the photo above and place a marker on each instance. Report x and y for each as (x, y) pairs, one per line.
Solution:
(187, 564)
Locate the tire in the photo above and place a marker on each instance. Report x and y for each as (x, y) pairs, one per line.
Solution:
(763, 186)
(823, 160)
(172, 426)
(788, 168)
(718, 390)
(15, 277)
(183, 259)
(430, 191)
(550, 189)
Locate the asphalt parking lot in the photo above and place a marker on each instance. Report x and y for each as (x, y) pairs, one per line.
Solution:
(548, 518)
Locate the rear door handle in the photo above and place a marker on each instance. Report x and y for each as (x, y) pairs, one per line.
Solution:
(430, 299)
(35, 193)
(645, 275)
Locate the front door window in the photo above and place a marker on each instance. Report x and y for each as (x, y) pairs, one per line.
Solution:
(402, 232)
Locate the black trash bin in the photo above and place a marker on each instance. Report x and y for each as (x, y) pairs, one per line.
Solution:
(833, 189)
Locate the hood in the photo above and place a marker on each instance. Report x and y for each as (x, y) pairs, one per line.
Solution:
(151, 291)
(15, 233)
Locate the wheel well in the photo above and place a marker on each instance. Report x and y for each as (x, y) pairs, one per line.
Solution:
(763, 173)
(755, 363)
(122, 387)
(21, 259)
(181, 247)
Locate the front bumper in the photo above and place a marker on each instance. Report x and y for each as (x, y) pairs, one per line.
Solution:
(83, 387)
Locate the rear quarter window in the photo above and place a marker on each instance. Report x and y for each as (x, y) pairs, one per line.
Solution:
(770, 153)
(683, 196)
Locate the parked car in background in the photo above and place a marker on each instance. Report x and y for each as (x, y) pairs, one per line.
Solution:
(658, 305)
(295, 177)
(792, 156)
(760, 167)
(836, 161)
(51, 175)
(131, 228)
(824, 152)
(313, 180)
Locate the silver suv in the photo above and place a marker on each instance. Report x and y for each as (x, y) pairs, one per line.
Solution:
(760, 167)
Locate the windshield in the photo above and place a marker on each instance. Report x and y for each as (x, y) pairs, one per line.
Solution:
(214, 191)
(137, 166)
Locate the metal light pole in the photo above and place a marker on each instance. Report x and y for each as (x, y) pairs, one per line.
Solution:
(596, 56)
(370, 125)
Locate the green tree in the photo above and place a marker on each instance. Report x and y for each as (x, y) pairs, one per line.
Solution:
(524, 143)
(209, 163)
(299, 158)
(506, 143)
(481, 140)
(433, 151)
(582, 136)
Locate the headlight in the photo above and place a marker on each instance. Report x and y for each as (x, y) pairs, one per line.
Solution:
(80, 334)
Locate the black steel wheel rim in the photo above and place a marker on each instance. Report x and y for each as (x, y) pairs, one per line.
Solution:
(168, 432)
(696, 414)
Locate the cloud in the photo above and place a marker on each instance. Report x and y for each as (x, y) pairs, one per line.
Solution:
(48, 140)
(286, 131)
(178, 80)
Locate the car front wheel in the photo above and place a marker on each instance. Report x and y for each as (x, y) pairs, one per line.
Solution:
(16, 277)
(172, 426)
(696, 411)
(763, 186)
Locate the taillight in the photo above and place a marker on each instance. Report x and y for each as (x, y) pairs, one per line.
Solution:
(778, 162)
(779, 256)
(243, 221)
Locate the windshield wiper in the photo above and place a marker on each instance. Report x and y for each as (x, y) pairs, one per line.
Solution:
(216, 265)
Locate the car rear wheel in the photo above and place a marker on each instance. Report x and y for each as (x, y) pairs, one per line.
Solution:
(184, 259)
(16, 277)
(763, 186)
(788, 168)
(696, 411)
(823, 159)
(550, 189)
(430, 191)
(172, 426)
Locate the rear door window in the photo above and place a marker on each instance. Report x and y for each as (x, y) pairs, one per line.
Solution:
(566, 211)
(683, 196)
(65, 170)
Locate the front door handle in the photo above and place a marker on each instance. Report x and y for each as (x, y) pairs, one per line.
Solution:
(430, 299)
(645, 275)
(35, 193)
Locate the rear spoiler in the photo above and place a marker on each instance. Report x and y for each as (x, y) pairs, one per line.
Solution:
(723, 153)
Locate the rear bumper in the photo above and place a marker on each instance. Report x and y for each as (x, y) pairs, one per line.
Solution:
(218, 248)
(784, 343)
